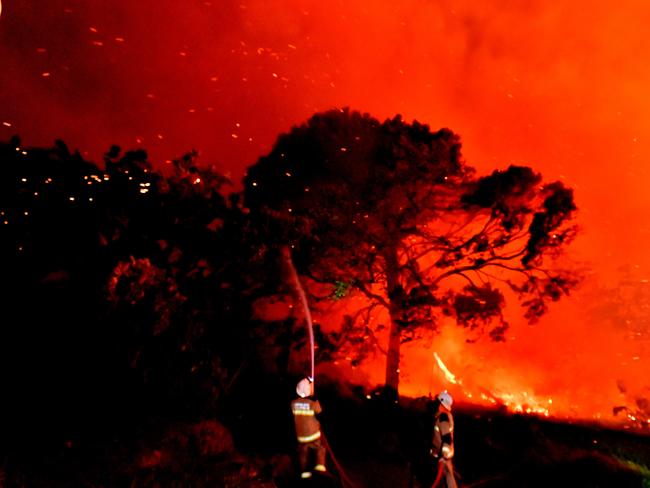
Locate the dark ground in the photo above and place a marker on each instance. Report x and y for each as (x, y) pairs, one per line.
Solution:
(376, 445)
(493, 449)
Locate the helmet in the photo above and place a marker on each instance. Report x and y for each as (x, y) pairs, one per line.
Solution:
(305, 388)
(445, 399)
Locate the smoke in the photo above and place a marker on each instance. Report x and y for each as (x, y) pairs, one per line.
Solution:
(556, 85)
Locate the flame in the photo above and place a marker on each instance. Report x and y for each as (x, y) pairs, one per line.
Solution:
(522, 375)
(520, 402)
(448, 374)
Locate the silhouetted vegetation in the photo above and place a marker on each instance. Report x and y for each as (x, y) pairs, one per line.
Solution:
(391, 212)
(132, 348)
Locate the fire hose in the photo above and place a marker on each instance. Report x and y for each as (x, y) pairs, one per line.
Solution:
(345, 479)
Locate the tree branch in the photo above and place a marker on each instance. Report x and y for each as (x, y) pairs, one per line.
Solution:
(373, 296)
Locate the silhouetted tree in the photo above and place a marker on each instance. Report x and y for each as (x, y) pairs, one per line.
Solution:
(60, 215)
(133, 265)
(390, 210)
(177, 286)
(126, 309)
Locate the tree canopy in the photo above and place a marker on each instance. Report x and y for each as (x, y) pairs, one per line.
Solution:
(391, 211)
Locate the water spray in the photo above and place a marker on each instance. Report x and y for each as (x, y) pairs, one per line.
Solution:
(286, 256)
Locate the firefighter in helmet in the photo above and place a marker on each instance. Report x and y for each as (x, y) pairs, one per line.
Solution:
(305, 408)
(442, 445)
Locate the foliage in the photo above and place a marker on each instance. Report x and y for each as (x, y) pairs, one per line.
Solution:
(393, 209)
(341, 289)
(137, 266)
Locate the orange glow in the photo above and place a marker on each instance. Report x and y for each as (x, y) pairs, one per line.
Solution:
(579, 374)
(562, 86)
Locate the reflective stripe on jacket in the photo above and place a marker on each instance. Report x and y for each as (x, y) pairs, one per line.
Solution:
(304, 415)
(443, 435)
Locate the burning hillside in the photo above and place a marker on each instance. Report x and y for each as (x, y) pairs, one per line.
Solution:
(509, 375)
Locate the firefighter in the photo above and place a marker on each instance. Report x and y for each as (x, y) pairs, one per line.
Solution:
(442, 446)
(308, 432)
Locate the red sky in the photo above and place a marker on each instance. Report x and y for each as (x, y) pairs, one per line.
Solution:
(560, 87)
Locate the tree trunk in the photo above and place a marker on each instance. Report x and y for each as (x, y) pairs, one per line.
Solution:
(395, 299)
(393, 358)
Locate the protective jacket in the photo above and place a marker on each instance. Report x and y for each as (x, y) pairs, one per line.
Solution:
(443, 435)
(304, 414)
(442, 448)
